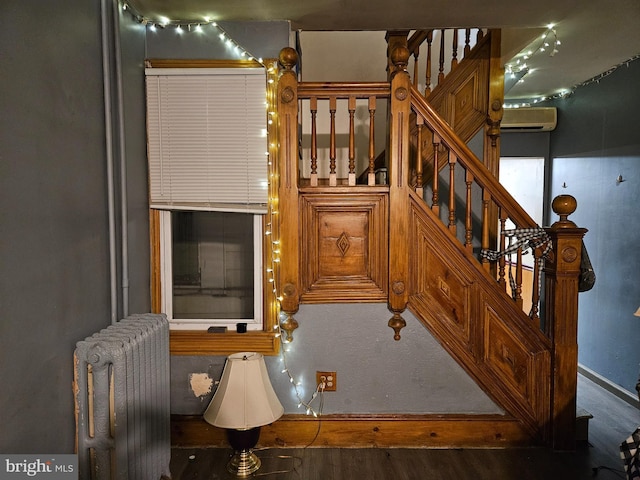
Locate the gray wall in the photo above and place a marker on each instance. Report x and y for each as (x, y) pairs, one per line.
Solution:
(54, 250)
(260, 39)
(595, 141)
(375, 373)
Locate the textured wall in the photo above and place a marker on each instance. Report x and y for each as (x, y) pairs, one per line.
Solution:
(375, 374)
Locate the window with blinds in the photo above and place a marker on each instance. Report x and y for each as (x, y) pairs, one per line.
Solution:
(207, 138)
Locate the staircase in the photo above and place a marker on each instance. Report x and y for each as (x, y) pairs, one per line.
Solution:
(426, 239)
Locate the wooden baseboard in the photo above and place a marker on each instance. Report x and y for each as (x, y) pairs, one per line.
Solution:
(366, 431)
(609, 386)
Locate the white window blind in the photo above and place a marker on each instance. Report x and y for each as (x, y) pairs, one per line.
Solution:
(207, 139)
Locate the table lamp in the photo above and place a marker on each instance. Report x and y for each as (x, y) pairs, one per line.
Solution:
(243, 402)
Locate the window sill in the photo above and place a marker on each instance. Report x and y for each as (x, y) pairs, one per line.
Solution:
(202, 343)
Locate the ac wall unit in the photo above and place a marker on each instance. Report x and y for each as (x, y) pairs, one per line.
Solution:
(529, 119)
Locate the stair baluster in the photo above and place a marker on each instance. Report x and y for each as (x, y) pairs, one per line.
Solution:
(371, 177)
(313, 106)
(452, 193)
(468, 226)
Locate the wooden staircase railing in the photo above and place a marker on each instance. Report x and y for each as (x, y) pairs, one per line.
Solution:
(422, 41)
(402, 243)
(469, 79)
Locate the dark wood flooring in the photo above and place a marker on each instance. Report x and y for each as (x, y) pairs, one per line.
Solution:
(613, 421)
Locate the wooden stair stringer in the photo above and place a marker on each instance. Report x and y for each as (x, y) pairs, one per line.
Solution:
(477, 323)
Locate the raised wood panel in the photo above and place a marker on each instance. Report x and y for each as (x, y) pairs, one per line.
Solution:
(507, 355)
(440, 286)
(343, 247)
(467, 103)
(342, 239)
(462, 99)
(520, 358)
(417, 431)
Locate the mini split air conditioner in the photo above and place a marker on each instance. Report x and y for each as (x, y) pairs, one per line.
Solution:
(529, 119)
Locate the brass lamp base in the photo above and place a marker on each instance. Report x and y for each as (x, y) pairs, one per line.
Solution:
(243, 463)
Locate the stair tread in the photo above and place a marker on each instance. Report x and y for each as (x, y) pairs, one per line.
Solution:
(582, 413)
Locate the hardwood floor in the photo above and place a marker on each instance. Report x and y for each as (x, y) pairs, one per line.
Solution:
(613, 421)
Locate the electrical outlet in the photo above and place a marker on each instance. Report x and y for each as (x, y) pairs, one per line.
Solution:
(329, 379)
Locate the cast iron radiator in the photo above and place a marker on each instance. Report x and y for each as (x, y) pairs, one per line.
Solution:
(122, 400)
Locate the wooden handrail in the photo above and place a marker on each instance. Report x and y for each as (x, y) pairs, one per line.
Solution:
(481, 175)
(342, 95)
(324, 90)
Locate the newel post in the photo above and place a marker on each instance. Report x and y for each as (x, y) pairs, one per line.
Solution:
(562, 271)
(287, 207)
(399, 113)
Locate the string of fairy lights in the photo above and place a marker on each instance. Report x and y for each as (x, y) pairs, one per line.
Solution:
(568, 92)
(272, 232)
(182, 27)
(548, 44)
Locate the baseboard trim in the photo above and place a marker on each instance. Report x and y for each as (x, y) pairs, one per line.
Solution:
(609, 386)
(366, 431)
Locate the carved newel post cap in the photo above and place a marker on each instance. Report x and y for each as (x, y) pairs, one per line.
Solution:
(288, 57)
(400, 57)
(564, 205)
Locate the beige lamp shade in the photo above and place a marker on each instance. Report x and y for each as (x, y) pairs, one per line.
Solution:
(637, 314)
(244, 398)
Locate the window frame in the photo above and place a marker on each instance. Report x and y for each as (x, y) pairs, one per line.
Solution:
(201, 342)
(166, 266)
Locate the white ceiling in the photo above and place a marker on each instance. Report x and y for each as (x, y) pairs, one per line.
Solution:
(595, 35)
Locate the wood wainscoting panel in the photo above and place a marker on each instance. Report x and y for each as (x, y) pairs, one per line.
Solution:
(343, 247)
(467, 104)
(365, 431)
(520, 360)
(441, 286)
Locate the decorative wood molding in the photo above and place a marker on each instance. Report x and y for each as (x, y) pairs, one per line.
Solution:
(362, 431)
(192, 342)
(343, 249)
(200, 63)
(463, 97)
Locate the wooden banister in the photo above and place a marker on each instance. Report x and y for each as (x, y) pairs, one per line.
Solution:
(445, 134)
(400, 110)
(288, 218)
(562, 273)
